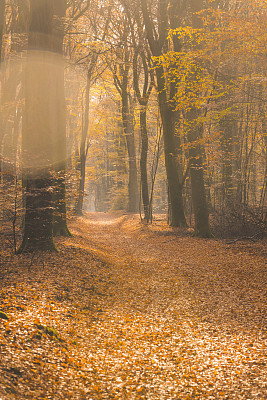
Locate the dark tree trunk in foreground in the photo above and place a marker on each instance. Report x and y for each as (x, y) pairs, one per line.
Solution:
(43, 128)
(37, 133)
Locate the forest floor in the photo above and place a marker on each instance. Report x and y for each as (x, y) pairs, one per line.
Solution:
(133, 311)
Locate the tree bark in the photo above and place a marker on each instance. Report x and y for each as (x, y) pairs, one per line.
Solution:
(128, 130)
(37, 133)
(196, 150)
(2, 22)
(83, 150)
(177, 215)
(156, 43)
(199, 200)
(60, 227)
(143, 163)
(143, 102)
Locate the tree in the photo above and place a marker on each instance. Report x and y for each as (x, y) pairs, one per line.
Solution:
(98, 23)
(43, 124)
(196, 150)
(2, 22)
(121, 73)
(142, 76)
(143, 98)
(60, 227)
(157, 37)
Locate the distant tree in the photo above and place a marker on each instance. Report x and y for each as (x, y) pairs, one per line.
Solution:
(97, 24)
(2, 23)
(121, 67)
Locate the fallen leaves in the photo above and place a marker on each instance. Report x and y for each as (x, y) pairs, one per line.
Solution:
(168, 321)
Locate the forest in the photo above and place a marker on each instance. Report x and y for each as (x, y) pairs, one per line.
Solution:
(133, 199)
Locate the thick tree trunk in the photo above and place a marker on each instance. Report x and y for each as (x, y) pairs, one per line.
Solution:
(196, 150)
(156, 43)
(177, 215)
(38, 227)
(201, 212)
(38, 129)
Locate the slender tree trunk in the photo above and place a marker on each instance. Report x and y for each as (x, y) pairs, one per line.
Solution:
(83, 150)
(228, 128)
(143, 163)
(143, 97)
(60, 227)
(79, 206)
(2, 22)
(129, 136)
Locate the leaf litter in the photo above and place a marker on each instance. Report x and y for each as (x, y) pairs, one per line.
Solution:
(133, 311)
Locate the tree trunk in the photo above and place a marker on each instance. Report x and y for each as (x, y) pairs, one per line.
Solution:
(60, 227)
(156, 44)
(177, 215)
(201, 212)
(128, 130)
(143, 163)
(2, 22)
(83, 150)
(79, 206)
(38, 227)
(38, 129)
(228, 127)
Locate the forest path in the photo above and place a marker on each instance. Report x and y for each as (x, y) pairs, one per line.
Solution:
(194, 309)
(164, 268)
(132, 311)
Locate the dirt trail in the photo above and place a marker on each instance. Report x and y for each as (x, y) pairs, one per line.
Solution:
(131, 311)
(219, 282)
